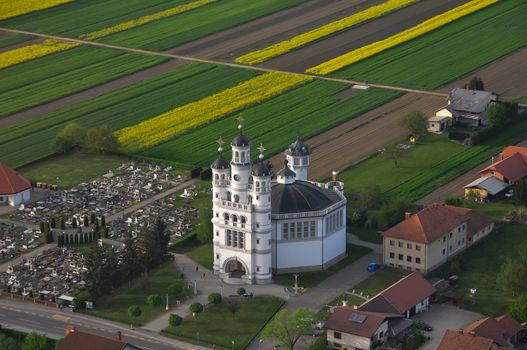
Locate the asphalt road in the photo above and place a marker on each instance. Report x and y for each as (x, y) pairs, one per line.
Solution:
(28, 317)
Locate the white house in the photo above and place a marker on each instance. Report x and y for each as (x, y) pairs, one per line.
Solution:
(263, 226)
(14, 188)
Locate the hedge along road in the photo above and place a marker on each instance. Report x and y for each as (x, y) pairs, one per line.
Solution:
(235, 65)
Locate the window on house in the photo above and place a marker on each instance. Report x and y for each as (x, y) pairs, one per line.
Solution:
(257, 241)
(312, 229)
(285, 230)
(257, 268)
(217, 233)
(229, 238)
(444, 239)
(400, 257)
(217, 256)
(450, 235)
(337, 335)
(443, 252)
(417, 260)
(217, 195)
(401, 244)
(392, 243)
(234, 239)
(409, 245)
(306, 229)
(292, 230)
(298, 230)
(418, 247)
(241, 239)
(392, 255)
(408, 258)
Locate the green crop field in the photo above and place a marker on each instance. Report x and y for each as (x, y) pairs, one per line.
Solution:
(42, 80)
(302, 112)
(14, 39)
(449, 52)
(80, 17)
(29, 141)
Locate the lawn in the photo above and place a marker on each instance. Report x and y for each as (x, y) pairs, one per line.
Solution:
(203, 255)
(311, 279)
(216, 325)
(497, 210)
(302, 112)
(31, 140)
(481, 265)
(71, 169)
(115, 306)
(365, 234)
(420, 158)
(51, 77)
(492, 33)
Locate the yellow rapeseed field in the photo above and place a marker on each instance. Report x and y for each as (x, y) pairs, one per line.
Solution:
(320, 32)
(30, 52)
(167, 125)
(12, 8)
(145, 19)
(399, 38)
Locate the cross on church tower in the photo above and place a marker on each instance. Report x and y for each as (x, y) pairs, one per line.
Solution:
(220, 142)
(240, 120)
(261, 148)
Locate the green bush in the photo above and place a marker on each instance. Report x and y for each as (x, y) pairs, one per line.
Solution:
(175, 289)
(174, 320)
(215, 298)
(240, 291)
(154, 300)
(195, 308)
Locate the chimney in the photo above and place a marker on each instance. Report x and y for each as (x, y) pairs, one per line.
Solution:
(407, 215)
(335, 176)
(119, 335)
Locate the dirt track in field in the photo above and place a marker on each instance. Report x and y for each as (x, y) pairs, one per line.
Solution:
(358, 138)
(89, 93)
(260, 33)
(381, 28)
(507, 77)
(455, 188)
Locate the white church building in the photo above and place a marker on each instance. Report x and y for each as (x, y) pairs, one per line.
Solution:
(263, 226)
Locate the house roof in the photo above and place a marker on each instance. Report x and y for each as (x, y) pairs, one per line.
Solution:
(79, 340)
(356, 322)
(11, 182)
(400, 296)
(435, 221)
(456, 340)
(513, 166)
(498, 329)
(489, 184)
(472, 101)
(510, 150)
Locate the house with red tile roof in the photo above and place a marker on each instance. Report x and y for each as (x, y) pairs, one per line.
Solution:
(434, 235)
(459, 340)
(510, 166)
(79, 340)
(14, 188)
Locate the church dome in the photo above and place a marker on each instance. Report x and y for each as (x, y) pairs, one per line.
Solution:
(301, 196)
(220, 163)
(261, 170)
(240, 140)
(298, 149)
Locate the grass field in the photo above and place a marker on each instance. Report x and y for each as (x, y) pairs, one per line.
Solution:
(497, 210)
(14, 39)
(423, 156)
(203, 255)
(217, 326)
(366, 235)
(311, 279)
(71, 169)
(51, 77)
(115, 306)
(302, 112)
(29, 141)
(482, 263)
(492, 33)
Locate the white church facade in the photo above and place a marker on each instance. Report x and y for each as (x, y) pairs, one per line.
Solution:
(263, 226)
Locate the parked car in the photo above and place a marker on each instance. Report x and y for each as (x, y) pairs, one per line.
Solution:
(425, 326)
(318, 328)
(510, 193)
(373, 266)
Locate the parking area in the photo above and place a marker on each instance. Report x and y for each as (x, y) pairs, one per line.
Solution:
(442, 317)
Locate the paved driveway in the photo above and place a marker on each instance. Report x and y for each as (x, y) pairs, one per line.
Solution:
(443, 317)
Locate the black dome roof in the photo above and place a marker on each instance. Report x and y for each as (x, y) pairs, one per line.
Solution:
(298, 149)
(240, 140)
(300, 196)
(261, 170)
(220, 163)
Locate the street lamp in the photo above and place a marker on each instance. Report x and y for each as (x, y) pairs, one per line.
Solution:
(260, 344)
(232, 342)
(167, 304)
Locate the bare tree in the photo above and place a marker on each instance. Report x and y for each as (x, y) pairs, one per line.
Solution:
(393, 151)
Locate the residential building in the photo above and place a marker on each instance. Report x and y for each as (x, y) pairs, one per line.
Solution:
(348, 328)
(14, 188)
(468, 107)
(434, 235)
(439, 122)
(407, 297)
(263, 227)
(510, 166)
(80, 340)
(458, 340)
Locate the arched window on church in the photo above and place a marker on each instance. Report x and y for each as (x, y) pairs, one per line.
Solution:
(257, 186)
(234, 219)
(243, 221)
(250, 199)
(223, 176)
(242, 157)
(263, 186)
(236, 156)
(229, 195)
(236, 198)
(226, 216)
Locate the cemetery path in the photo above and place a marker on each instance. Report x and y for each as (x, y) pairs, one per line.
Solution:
(151, 200)
(377, 248)
(34, 252)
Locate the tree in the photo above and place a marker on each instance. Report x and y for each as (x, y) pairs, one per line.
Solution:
(71, 137)
(512, 276)
(98, 277)
(100, 139)
(195, 308)
(154, 244)
(34, 341)
(214, 298)
(288, 326)
(7, 343)
(518, 308)
(394, 212)
(393, 151)
(241, 291)
(520, 192)
(359, 217)
(497, 115)
(373, 196)
(132, 265)
(174, 320)
(175, 289)
(154, 300)
(475, 84)
(233, 305)
(416, 123)
(134, 311)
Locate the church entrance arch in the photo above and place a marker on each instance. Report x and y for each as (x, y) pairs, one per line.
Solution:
(235, 268)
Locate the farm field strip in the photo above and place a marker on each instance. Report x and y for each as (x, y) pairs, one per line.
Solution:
(493, 33)
(10, 8)
(165, 126)
(321, 32)
(31, 52)
(301, 112)
(31, 140)
(9, 40)
(429, 25)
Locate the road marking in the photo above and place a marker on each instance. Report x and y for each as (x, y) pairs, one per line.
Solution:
(61, 318)
(29, 321)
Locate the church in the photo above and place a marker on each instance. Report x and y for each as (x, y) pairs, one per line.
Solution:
(264, 226)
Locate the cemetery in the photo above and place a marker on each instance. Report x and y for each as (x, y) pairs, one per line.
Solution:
(15, 240)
